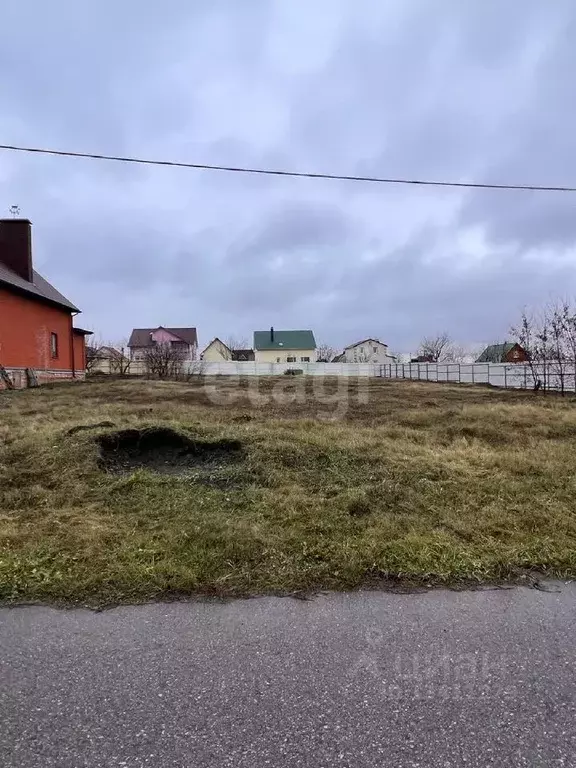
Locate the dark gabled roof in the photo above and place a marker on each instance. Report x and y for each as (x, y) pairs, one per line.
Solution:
(495, 353)
(140, 337)
(39, 288)
(339, 358)
(364, 341)
(242, 354)
(284, 340)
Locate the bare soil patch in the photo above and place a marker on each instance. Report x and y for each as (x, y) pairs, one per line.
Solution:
(165, 451)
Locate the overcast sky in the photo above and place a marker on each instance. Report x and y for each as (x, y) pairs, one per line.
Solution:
(482, 90)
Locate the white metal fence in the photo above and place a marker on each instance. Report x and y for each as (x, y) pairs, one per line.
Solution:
(226, 368)
(513, 375)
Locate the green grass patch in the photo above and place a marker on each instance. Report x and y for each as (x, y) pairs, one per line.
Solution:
(274, 489)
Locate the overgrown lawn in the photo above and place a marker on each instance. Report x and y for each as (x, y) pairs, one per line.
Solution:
(361, 483)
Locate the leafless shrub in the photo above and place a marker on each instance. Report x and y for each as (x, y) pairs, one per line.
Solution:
(549, 339)
(236, 342)
(194, 368)
(164, 360)
(325, 353)
(92, 354)
(438, 348)
(118, 356)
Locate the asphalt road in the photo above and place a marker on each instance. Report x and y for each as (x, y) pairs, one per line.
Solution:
(366, 679)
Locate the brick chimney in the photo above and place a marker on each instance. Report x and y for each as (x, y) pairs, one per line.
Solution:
(16, 246)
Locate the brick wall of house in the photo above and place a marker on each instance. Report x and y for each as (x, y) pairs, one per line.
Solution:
(25, 328)
(20, 380)
(79, 352)
(516, 355)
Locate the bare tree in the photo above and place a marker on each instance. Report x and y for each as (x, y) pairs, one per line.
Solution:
(549, 340)
(454, 353)
(362, 357)
(236, 342)
(119, 357)
(194, 368)
(525, 335)
(557, 343)
(165, 360)
(436, 348)
(569, 322)
(92, 353)
(325, 353)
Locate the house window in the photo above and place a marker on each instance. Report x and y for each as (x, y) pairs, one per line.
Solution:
(374, 349)
(290, 359)
(277, 359)
(361, 350)
(54, 345)
(304, 359)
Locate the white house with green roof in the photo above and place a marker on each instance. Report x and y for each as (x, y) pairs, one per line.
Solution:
(284, 346)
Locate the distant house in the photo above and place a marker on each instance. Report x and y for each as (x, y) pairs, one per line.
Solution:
(106, 360)
(143, 339)
(243, 355)
(218, 351)
(509, 352)
(284, 346)
(341, 358)
(36, 320)
(422, 359)
(368, 351)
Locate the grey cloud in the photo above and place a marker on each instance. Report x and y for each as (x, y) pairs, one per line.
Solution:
(467, 91)
(293, 228)
(537, 145)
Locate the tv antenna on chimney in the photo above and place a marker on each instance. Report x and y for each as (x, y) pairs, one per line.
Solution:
(15, 211)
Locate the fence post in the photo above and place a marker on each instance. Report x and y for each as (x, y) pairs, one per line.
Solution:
(418, 371)
(505, 379)
(488, 375)
(472, 368)
(525, 377)
(459, 374)
(403, 374)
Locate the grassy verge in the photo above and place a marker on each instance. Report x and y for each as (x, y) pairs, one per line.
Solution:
(365, 481)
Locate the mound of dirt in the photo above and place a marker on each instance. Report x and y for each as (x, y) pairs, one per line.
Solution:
(164, 450)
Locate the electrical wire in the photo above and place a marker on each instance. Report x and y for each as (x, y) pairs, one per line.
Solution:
(294, 174)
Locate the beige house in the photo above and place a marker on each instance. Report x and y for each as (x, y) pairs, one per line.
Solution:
(216, 352)
(284, 346)
(106, 359)
(367, 351)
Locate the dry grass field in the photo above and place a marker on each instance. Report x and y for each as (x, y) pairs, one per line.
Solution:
(228, 487)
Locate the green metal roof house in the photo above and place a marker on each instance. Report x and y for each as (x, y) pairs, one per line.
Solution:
(284, 346)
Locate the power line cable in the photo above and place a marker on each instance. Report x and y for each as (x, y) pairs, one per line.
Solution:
(294, 174)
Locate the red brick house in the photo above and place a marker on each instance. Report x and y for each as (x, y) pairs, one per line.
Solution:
(36, 330)
(508, 352)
